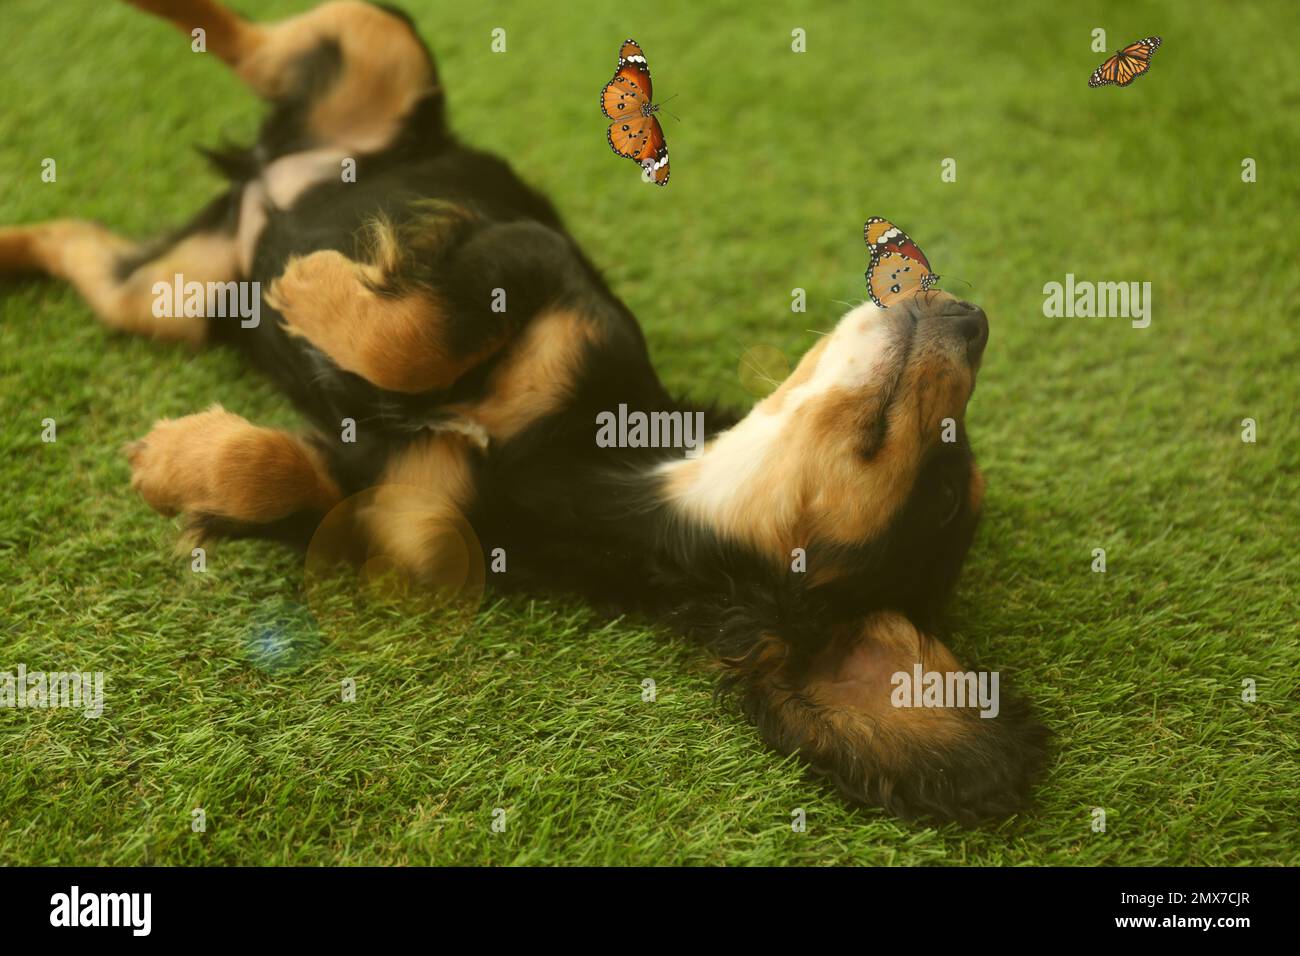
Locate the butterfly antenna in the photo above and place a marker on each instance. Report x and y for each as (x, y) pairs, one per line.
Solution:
(669, 112)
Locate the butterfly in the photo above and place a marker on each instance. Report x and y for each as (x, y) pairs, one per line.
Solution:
(635, 131)
(1127, 64)
(898, 266)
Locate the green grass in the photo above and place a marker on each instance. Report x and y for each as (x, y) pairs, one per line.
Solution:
(1092, 434)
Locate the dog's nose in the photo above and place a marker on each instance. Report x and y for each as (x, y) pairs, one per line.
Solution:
(973, 325)
(970, 322)
(955, 321)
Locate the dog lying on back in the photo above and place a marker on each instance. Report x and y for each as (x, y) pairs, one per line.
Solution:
(809, 545)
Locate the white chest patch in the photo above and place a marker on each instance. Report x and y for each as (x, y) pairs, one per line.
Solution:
(858, 350)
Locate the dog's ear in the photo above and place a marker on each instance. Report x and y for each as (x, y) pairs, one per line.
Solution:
(889, 716)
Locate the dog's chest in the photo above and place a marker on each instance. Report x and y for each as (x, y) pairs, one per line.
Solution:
(279, 185)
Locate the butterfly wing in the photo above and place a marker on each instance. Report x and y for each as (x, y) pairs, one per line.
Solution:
(1126, 65)
(655, 167)
(641, 138)
(1106, 73)
(883, 236)
(1130, 69)
(1143, 49)
(891, 276)
(630, 136)
(630, 89)
(622, 98)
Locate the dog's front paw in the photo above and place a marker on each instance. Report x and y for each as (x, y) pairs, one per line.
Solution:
(316, 297)
(217, 464)
(173, 467)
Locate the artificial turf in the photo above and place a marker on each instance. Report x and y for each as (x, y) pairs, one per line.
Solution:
(1092, 434)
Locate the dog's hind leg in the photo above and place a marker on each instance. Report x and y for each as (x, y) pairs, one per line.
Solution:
(226, 34)
(413, 519)
(119, 278)
(230, 478)
(223, 473)
(351, 72)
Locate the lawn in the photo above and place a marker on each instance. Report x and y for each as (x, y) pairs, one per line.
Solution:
(1092, 434)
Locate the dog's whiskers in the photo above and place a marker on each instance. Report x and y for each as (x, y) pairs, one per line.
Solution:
(759, 371)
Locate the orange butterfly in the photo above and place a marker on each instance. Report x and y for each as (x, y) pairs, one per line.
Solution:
(635, 132)
(1127, 64)
(898, 266)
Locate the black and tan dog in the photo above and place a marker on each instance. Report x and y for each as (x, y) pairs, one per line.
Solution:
(439, 304)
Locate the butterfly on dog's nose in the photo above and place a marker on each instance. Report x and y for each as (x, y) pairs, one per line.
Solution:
(898, 266)
(635, 131)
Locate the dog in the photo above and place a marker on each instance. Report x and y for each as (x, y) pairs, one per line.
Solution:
(437, 304)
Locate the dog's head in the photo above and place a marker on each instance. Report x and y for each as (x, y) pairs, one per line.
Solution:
(859, 458)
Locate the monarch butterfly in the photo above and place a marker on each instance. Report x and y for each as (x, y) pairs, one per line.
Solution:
(1127, 64)
(898, 266)
(635, 131)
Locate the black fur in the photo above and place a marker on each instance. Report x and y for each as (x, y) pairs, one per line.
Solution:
(581, 518)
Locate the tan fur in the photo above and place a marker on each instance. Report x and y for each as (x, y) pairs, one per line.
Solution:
(854, 674)
(802, 373)
(218, 463)
(27, 248)
(535, 377)
(845, 699)
(414, 516)
(86, 255)
(791, 476)
(385, 68)
(226, 35)
(385, 71)
(396, 343)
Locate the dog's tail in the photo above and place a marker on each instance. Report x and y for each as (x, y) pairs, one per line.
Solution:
(886, 713)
